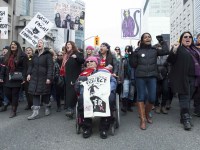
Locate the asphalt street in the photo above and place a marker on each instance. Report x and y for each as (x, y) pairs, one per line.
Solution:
(57, 132)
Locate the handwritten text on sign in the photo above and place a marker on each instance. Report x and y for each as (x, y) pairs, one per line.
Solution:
(36, 29)
(3, 22)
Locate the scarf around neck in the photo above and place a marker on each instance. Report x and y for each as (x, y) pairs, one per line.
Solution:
(195, 53)
(65, 59)
(11, 63)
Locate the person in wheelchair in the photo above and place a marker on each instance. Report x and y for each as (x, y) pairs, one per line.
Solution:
(105, 122)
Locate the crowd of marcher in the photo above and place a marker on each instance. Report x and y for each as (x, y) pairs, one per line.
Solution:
(148, 77)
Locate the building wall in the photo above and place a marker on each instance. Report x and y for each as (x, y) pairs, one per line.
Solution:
(181, 18)
(156, 18)
(196, 17)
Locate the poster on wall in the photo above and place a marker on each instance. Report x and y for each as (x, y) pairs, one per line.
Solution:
(36, 29)
(3, 22)
(69, 15)
(131, 23)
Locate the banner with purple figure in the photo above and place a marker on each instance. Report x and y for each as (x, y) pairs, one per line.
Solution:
(131, 23)
(96, 95)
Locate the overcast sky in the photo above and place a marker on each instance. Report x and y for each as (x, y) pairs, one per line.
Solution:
(103, 18)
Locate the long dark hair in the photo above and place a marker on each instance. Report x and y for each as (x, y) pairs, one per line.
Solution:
(142, 45)
(181, 37)
(74, 48)
(17, 54)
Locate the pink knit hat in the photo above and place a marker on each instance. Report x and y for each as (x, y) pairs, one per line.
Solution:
(92, 58)
(90, 48)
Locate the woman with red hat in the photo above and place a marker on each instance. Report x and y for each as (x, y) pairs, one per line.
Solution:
(92, 63)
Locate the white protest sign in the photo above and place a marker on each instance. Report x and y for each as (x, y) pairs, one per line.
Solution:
(36, 29)
(3, 22)
(96, 95)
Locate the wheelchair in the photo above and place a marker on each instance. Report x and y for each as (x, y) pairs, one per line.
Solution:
(113, 126)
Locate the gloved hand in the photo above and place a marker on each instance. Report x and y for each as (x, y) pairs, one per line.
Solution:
(159, 38)
(83, 78)
(130, 49)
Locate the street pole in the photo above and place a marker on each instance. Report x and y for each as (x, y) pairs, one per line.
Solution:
(88, 39)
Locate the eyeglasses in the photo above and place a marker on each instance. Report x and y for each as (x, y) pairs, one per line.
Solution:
(185, 37)
(117, 49)
(90, 61)
(60, 55)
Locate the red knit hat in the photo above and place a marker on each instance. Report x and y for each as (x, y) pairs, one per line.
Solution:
(92, 58)
(90, 48)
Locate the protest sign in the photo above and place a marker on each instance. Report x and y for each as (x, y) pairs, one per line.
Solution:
(36, 29)
(3, 22)
(96, 95)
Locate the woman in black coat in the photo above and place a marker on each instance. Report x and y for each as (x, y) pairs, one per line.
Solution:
(40, 75)
(144, 60)
(70, 69)
(15, 62)
(184, 73)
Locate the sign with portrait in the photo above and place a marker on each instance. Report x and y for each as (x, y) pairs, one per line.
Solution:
(131, 23)
(70, 15)
(96, 95)
(36, 29)
(3, 22)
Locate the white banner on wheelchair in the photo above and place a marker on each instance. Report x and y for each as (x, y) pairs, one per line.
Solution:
(96, 95)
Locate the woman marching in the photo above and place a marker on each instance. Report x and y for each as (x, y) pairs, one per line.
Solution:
(14, 74)
(70, 70)
(40, 75)
(185, 74)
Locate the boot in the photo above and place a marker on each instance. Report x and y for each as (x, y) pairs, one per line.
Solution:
(129, 106)
(148, 109)
(87, 127)
(124, 105)
(186, 119)
(164, 110)
(157, 109)
(13, 112)
(141, 111)
(104, 127)
(4, 108)
(35, 113)
(47, 109)
(70, 112)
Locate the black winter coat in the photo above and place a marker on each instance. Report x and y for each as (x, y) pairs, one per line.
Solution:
(145, 60)
(73, 68)
(182, 67)
(20, 66)
(41, 69)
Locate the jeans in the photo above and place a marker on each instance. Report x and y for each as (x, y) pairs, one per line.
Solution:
(146, 85)
(128, 90)
(184, 99)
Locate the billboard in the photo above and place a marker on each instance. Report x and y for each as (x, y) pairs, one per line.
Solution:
(69, 15)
